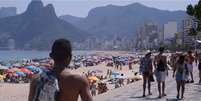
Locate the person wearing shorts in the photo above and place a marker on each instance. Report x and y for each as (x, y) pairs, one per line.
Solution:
(190, 60)
(161, 71)
(181, 72)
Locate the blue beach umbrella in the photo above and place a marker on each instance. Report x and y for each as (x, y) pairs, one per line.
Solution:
(31, 67)
(115, 74)
(34, 69)
(18, 73)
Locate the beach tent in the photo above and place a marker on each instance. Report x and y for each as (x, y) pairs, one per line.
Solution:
(93, 78)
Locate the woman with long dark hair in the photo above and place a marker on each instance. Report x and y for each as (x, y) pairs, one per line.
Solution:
(180, 70)
(147, 70)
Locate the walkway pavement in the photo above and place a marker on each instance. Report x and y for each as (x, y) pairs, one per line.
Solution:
(133, 92)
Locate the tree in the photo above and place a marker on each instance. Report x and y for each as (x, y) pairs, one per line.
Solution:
(195, 12)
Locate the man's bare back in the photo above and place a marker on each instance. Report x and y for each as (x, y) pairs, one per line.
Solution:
(71, 86)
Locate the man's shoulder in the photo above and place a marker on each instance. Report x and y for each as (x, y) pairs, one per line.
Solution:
(73, 77)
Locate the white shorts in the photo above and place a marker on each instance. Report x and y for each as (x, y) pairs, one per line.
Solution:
(190, 67)
(161, 76)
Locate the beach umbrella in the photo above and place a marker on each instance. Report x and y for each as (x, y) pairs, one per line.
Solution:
(34, 68)
(10, 71)
(115, 73)
(27, 71)
(30, 67)
(15, 69)
(93, 78)
(20, 73)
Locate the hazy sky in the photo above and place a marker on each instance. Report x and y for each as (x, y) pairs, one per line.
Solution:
(81, 7)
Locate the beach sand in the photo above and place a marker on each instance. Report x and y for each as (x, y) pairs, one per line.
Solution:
(19, 92)
(131, 92)
(14, 92)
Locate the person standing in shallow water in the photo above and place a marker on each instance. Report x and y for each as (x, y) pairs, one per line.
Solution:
(161, 71)
(70, 85)
(146, 69)
(181, 70)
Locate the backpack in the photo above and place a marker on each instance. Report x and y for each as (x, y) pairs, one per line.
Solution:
(47, 88)
(144, 64)
(161, 66)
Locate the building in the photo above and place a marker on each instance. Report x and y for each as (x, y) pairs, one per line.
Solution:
(189, 23)
(178, 38)
(169, 30)
(148, 36)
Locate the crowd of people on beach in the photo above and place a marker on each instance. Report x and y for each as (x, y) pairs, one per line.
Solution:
(181, 63)
(151, 66)
(25, 71)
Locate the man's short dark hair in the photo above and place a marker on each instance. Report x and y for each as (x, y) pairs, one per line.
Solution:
(148, 54)
(161, 49)
(61, 50)
(190, 52)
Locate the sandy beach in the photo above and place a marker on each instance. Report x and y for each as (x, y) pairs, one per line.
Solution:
(19, 92)
(131, 92)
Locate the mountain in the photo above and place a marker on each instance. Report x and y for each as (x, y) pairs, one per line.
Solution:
(124, 20)
(71, 19)
(38, 27)
(7, 11)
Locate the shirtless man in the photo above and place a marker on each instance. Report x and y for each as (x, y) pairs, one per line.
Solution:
(190, 59)
(160, 63)
(70, 85)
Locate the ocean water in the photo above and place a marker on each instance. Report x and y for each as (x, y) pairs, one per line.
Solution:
(19, 55)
